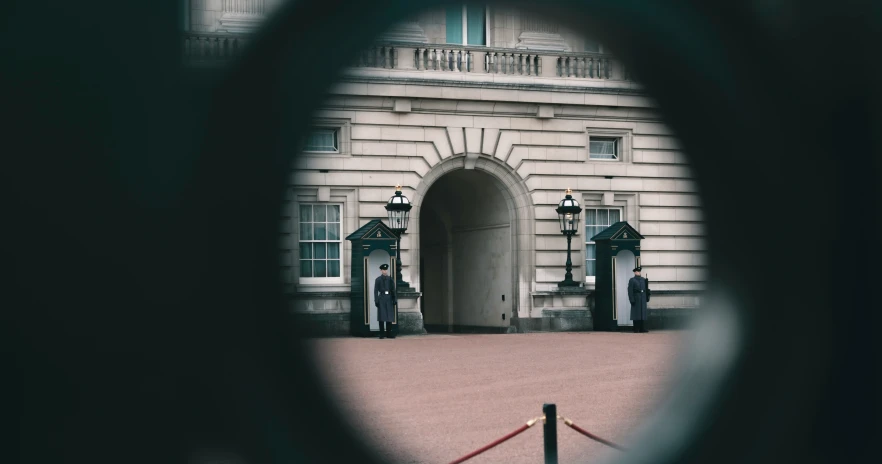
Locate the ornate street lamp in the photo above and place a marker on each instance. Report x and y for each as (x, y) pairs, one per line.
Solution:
(398, 208)
(568, 211)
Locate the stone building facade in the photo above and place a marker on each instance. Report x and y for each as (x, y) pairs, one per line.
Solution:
(484, 117)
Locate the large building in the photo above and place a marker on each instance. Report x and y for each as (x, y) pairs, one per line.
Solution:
(484, 117)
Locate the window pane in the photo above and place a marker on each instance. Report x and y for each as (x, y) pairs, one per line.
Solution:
(321, 250)
(305, 213)
(475, 24)
(305, 268)
(334, 250)
(306, 231)
(322, 140)
(321, 231)
(590, 217)
(454, 23)
(333, 231)
(320, 211)
(603, 217)
(333, 268)
(321, 269)
(591, 268)
(602, 148)
(614, 216)
(595, 230)
(590, 252)
(333, 213)
(306, 251)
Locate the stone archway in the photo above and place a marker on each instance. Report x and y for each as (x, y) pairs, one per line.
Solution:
(504, 188)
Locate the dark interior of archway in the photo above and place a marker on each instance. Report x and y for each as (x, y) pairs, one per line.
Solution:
(466, 255)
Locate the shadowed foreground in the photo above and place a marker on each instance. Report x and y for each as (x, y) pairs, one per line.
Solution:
(434, 398)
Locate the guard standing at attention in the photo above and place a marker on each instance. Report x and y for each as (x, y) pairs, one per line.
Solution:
(385, 301)
(639, 296)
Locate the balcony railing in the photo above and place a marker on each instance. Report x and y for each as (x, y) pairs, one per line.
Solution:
(216, 48)
(212, 48)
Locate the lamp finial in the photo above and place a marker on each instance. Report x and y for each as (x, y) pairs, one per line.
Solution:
(569, 191)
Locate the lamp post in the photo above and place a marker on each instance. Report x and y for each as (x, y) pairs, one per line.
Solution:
(568, 211)
(398, 208)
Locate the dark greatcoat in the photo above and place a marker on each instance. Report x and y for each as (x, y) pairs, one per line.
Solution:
(385, 302)
(637, 295)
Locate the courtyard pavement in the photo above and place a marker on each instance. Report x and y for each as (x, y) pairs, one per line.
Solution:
(434, 398)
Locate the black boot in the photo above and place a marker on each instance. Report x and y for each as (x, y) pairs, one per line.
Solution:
(382, 331)
(636, 326)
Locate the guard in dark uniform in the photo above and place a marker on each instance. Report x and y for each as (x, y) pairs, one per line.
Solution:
(385, 300)
(639, 296)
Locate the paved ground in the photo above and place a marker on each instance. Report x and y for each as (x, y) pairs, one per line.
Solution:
(434, 398)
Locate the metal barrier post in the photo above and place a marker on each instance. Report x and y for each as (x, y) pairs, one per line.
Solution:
(550, 433)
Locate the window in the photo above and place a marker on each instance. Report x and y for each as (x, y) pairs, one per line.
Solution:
(320, 242)
(603, 148)
(466, 24)
(596, 220)
(609, 145)
(323, 140)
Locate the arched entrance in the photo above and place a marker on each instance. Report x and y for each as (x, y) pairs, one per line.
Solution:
(466, 242)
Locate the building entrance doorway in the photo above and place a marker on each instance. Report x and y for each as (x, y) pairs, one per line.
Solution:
(467, 275)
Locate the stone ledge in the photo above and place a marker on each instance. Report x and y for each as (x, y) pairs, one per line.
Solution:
(409, 294)
(677, 292)
(563, 290)
(549, 323)
(566, 312)
(352, 77)
(310, 295)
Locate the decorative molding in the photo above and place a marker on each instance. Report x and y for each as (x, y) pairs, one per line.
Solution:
(352, 78)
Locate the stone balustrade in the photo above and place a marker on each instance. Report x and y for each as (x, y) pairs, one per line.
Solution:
(377, 56)
(205, 47)
(591, 66)
(212, 48)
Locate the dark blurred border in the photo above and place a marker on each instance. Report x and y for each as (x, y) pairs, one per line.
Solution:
(142, 318)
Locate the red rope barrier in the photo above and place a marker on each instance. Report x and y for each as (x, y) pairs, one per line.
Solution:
(588, 434)
(497, 442)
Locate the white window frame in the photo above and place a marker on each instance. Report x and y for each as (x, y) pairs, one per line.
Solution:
(592, 279)
(617, 145)
(464, 40)
(337, 139)
(624, 143)
(322, 280)
(344, 144)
